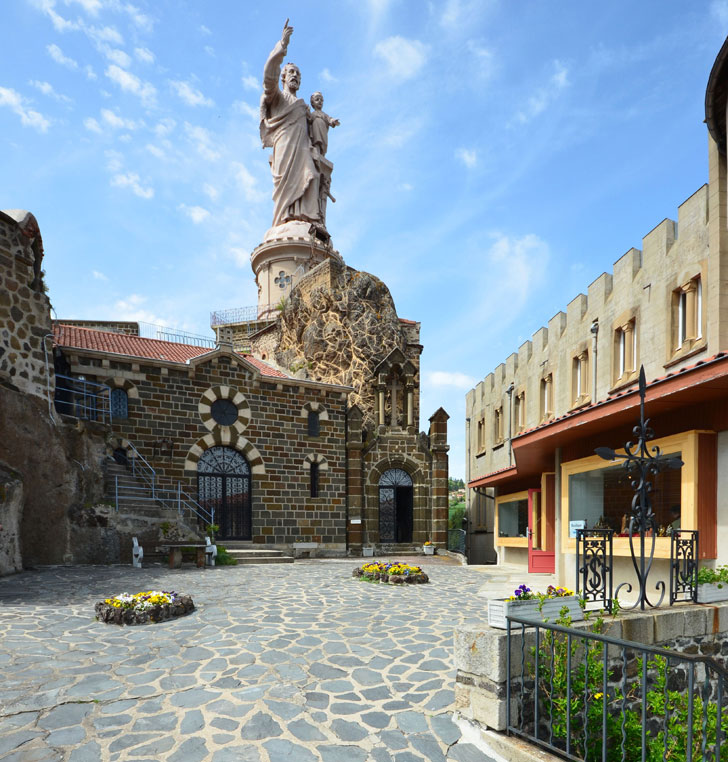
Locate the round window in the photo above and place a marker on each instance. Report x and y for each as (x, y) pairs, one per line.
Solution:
(224, 412)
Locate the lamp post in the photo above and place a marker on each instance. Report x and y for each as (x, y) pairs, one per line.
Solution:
(641, 462)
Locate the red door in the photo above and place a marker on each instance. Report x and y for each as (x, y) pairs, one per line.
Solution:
(541, 557)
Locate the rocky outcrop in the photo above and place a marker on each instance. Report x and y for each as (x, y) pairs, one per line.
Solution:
(337, 326)
(11, 512)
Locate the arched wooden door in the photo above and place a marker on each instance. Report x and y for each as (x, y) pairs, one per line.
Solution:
(223, 487)
(395, 506)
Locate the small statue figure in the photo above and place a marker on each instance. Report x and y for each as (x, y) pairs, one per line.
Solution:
(319, 123)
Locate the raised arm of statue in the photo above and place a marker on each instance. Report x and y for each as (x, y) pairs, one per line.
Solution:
(272, 68)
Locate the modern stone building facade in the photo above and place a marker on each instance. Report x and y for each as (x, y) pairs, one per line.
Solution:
(534, 421)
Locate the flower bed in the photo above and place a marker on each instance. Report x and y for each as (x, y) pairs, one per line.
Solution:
(395, 573)
(143, 608)
(534, 605)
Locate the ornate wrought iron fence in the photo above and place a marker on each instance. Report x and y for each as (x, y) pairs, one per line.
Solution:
(456, 540)
(684, 565)
(594, 565)
(587, 696)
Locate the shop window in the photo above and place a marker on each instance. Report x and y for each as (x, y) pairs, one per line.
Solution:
(687, 314)
(513, 518)
(602, 498)
(546, 397)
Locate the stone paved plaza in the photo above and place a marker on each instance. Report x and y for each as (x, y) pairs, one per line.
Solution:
(296, 662)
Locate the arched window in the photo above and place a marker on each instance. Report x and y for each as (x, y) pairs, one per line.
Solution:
(224, 489)
(119, 403)
(395, 506)
(314, 425)
(314, 472)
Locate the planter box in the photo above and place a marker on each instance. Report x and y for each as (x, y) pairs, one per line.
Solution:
(429, 550)
(367, 552)
(710, 593)
(499, 609)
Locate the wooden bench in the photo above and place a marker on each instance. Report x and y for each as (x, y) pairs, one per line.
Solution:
(205, 553)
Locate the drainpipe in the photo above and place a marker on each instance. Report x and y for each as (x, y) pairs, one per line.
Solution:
(467, 489)
(594, 332)
(509, 392)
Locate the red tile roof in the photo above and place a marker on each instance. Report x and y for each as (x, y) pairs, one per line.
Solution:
(77, 337)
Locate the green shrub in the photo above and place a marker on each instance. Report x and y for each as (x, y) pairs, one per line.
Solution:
(223, 558)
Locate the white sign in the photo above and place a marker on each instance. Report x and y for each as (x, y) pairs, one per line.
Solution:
(356, 521)
(574, 525)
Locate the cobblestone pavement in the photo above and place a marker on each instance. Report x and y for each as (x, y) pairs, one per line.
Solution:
(282, 663)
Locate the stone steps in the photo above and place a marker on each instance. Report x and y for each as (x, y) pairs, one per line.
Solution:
(248, 553)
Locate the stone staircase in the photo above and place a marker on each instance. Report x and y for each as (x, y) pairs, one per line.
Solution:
(249, 553)
(134, 495)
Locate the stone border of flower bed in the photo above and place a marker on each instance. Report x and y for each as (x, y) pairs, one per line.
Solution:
(109, 614)
(414, 577)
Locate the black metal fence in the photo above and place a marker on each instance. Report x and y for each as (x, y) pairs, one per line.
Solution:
(588, 697)
(456, 540)
(595, 565)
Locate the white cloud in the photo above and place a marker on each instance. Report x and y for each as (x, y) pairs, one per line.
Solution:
(104, 34)
(59, 57)
(469, 157)
(451, 14)
(245, 108)
(144, 55)
(119, 57)
(327, 76)
(447, 378)
(144, 22)
(209, 50)
(719, 11)
(203, 142)
(47, 89)
(403, 57)
(190, 95)
(247, 183)
(155, 151)
(131, 180)
(250, 82)
(114, 161)
(117, 122)
(90, 73)
(59, 23)
(406, 187)
(164, 127)
(19, 105)
(126, 138)
(205, 30)
(543, 97)
(197, 214)
(211, 191)
(132, 308)
(91, 7)
(132, 84)
(98, 276)
(92, 125)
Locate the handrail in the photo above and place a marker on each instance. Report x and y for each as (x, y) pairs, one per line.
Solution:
(172, 498)
(88, 401)
(588, 635)
(150, 476)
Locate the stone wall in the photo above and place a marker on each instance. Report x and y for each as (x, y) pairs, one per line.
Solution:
(167, 426)
(24, 306)
(127, 327)
(55, 482)
(481, 652)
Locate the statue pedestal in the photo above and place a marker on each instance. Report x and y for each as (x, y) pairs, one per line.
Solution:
(287, 253)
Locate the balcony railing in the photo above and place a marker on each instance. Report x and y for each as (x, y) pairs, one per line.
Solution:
(83, 399)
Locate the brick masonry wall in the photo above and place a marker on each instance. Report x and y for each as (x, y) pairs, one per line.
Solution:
(24, 309)
(164, 408)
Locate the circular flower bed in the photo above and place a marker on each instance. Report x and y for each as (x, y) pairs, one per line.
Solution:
(396, 573)
(143, 608)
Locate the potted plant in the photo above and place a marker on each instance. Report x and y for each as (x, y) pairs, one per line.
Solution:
(529, 604)
(367, 551)
(428, 548)
(712, 584)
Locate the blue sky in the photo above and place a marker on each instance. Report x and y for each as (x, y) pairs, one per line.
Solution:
(529, 141)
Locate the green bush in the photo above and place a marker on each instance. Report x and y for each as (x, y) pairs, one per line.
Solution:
(223, 558)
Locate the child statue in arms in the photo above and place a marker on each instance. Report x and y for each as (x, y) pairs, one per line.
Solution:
(319, 123)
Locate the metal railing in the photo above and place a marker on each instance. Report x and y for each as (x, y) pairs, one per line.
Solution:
(250, 314)
(174, 498)
(586, 696)
(456, 540)
(83, 399)
(176, 335)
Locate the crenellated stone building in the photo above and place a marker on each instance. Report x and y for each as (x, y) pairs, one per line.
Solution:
(534, 421)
